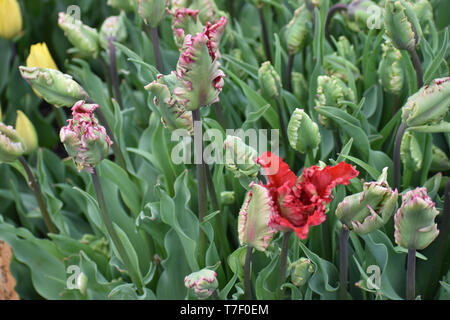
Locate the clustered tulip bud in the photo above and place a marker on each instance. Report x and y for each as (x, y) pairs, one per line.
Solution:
(27, 132)
(302, 132)
(297, 30)
(204, 283)
(415, 227)
(174, 115)
(185, 21)
(85, 39)
(152, 11)
(240, 158)
(84, 139)
(440, 161)
(401, 24)
(411, 152)
(269, 80)
(370, 209)
(227, 197)
(11, 146)
(113, 27)
(254, 216)
(55, 87)
(301, 271)
(299, 86)
(390, 70)
(10, 19)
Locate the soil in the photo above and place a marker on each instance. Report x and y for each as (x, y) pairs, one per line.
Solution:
(7, 282)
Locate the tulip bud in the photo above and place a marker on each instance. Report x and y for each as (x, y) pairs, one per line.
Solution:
(85, 39)
(152, 11)
(208, 10)
(25, 129)
(338, 66)
(204, 283)
(185, 21)
(363, 15)
(127, 5)
(370, 209)
(174, 115)
(429, 105)
(227, 197)
(11, 146)
(302, 132)
(424, 12)
(346, 49)
(10, 19)
(253, 221)
(390, 70)
(297, 30)
(299, 86)
(40, 57)
(113, 27)
(240, 158)
(55, 87)
(440, 161)
(269, 80)
(401, 24)
(411, 152)
(84, 139)
(415, 227)
(301, 271)
(81, 283)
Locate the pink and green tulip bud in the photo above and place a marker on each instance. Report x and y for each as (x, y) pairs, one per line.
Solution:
(415, 227)
(390, 70)
(200, 80)
(127, 5)
(411, 152)
(440, 161)
(301, 271)
(370, 209)
(85, 39)
(429, 105)
(185, 21)
(25, 129)
(240, 158)
(424, 12)
(174, 115)
(84, 139)
(11, 145)
(153, 11)
(203, 283)
(302, 132)
(253, 227)
(113, 27)
(299, 86)
(401, 24)
(269, 80)
(207, 10)
(53, 86)
(297, 30)
(227, 197)
(363, 14)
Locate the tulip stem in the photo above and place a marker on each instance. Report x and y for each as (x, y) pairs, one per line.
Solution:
(411, 275)
(113, 233)
(156, 48)
(398, 141)
(417, 66)
(343, 261)
(282, 126)
(113, 72)
(247, 274)
(265, 36)
(283, 262)
(34, 185)
(290, 66)
(333, 10)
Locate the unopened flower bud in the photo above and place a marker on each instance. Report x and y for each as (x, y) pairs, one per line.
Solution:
(440, 161)
(40, 57)
(55, 87)
(390, 70)
(297, 30)
(127, 5)
(299, 86)
(364, 14)
(203, 283)
(240, 158)
(208, 10)
(269, 80)
(85, 39)
(84, 139)
(152, 11)
(301, 271)
(424, 12)
(302, 132)
(253, 221)
(113, 27)
(227, 197)
(10, 19)
(411, 152)
(415, 227)
(370, 209)
(346, 49)
(81, 283)
(27, 132)
(185, 21)
(11, 146)
(429, 105)
(401, 24)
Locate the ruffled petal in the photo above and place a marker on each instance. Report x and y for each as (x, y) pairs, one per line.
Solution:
(277, 170)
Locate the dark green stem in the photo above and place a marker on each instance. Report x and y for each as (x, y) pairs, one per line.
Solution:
(282, 126)
(156, 49)
(34, 185)
(113, 72)
(247, 274)
(290, 66)
(343, 262)
(113, 234)
(417, 66)
(411, 275)
(333, 10)
(398, 141)
(283, 262)
(265, 35)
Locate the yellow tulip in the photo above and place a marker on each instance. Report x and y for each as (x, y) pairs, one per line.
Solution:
(40, 57)
(10, 19)
(25, 129)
